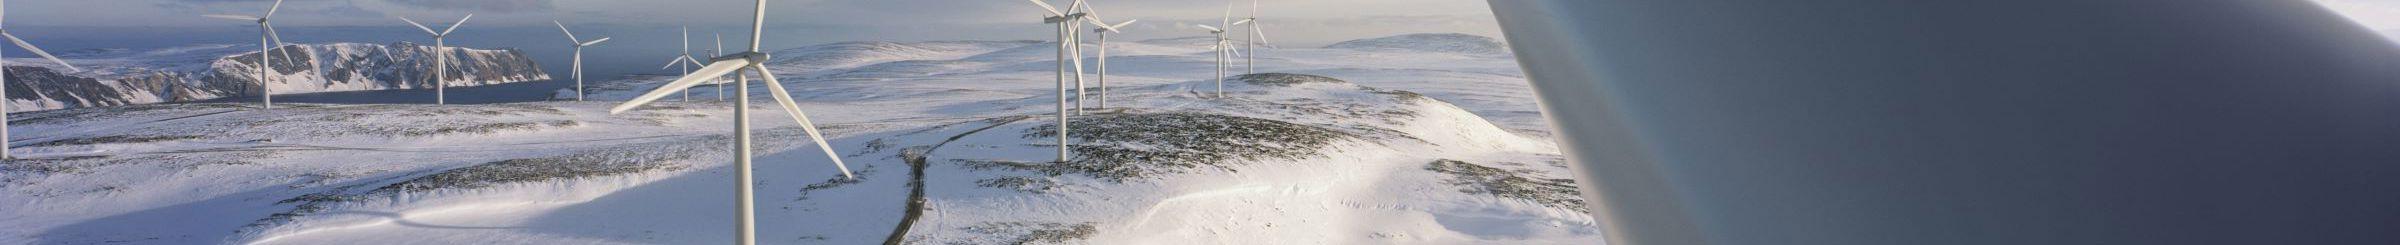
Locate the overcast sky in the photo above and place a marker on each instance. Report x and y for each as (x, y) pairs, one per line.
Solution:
(1314, 22)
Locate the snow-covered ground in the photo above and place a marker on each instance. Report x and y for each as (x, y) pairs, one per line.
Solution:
(1326, 146)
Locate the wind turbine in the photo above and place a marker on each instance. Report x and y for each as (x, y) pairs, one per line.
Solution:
(266, 35)
(578, 67)
(1066, 45)
(441, 56)
(755, 61)
(12, 38)
(1222, 48)
(1104, 29)
(1257, 36)
(686, 61)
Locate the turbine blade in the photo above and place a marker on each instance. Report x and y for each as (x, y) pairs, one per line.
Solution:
(562, 27)
(1046, 6)
(279, 47)
(694, 62)
(232, 17)
(38, 51)
(687, 81)
(774, 88)
(271, 10)
(671, 63)
(594, 41)
(1260, 33)
(1236, 23)
(1123, 24)
(420, 26)
(454, 26)
(1075, 6)
(1210, 28)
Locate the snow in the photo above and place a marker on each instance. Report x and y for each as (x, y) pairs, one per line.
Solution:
(1342, 159)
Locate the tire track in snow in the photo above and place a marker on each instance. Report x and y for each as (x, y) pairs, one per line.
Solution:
(916, 181)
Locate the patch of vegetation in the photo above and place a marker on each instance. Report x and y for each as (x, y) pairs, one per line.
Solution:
(47, 166)
(1021, 184)
(115, 139)
(1119, 147)
(1285, 79)
(1400, 95)
(1033, 233)
(1479, 179)
(586, 164)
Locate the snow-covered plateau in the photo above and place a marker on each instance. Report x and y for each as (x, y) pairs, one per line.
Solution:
(952, 143)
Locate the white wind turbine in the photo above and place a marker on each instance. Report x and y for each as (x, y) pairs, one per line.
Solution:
(1257, 36)
(441, 56)
(1223, 48)
(686, 61)
(1066, 46)
(754, 61)
(1104, 29)
(578, 66)
(12, 38)
(266, 36)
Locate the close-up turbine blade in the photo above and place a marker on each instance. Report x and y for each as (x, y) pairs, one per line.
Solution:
(785, 98)
(12, 38)
(562, 27)
(454, 26)
(705, 74)
(1236, 23)
(279, 46)
(420, 26)
(271, 9)
(1047, 7)
(594, 41)
(1210, 28)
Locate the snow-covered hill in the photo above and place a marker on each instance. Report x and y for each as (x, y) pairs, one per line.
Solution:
(1386, 147)
(1428, 42)
(122, 77)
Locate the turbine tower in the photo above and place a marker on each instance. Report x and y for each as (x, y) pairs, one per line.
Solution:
(12, 38)
(441, 56)
(1066, 45)
(578, 66)
(754, 61)
(685, 61)
(1104, 30)
(266, 37)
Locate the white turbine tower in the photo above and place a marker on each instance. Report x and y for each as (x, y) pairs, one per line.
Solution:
(266, 37)
(12, 38)
(1104, 30)
(441, 56)
(1257, 36)
(1066, 46)
(755, 61)
(578, 66)
(686, 61)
